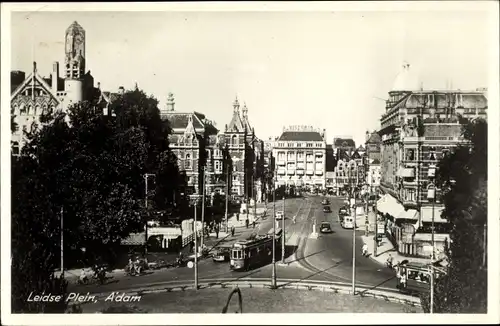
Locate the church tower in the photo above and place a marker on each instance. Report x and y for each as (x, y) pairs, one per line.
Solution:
(74, 63)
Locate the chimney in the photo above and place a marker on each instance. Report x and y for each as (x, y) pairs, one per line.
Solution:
(99, 85)
(55, 75)
(121, 90)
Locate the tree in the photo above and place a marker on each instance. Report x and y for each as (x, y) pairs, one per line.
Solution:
(462, 175)
(91, 166)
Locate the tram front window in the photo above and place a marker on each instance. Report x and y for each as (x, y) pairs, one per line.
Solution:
(237, 254)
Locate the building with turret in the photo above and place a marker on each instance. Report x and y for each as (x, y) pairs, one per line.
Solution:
(418, 128)
(34, 95)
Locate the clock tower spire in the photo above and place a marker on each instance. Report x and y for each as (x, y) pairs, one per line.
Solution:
(75, 51)
(74, 62)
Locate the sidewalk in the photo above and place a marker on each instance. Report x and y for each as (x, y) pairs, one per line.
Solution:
(387, 248)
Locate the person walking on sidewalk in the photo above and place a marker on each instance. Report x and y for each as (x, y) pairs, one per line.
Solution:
(253, 224)
(246, 223)
(232, 231)
(217, 231)
(365, 250)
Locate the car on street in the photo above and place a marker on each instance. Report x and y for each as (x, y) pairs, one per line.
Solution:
(327, 209)
(325, 227)
(348, 222)
(221, 254)
(279, 215)
(343, 211)
(325, 202)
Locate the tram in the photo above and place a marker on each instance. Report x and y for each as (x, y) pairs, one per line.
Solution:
(246, 254)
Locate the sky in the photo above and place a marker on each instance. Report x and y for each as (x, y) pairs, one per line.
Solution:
(328, 69)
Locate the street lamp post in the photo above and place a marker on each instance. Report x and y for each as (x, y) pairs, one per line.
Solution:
(203, 183)
(283, 232)
(227, 195)
(431, 195)
(351, 193)
(273, 281)
(146, 175)
(195, 246)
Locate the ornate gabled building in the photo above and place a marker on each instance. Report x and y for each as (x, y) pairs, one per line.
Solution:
(191, 134)
(241, 140)
(34, 95)
(372, 160)
(417, 129)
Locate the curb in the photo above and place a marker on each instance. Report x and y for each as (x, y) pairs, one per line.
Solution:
(282, 284)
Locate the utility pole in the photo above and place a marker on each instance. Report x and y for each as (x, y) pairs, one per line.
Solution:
(62, 242)
(283, 239)
(227, 196)
(353, 235)
(203, 208)
(146, 175)
(375, 245)
(195, 245)
(273, 280)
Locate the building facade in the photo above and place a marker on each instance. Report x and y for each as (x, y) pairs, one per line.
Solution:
(417, 129)
(35, 96)
(300, 154)
(372, 160)
(192, 134)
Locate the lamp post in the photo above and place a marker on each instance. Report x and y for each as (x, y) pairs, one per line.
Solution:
(203, 183)
(273, 280)
(351, 193)
(227, 196)
(431, 195)
(283, 237)
(146, 176)
(195, 245)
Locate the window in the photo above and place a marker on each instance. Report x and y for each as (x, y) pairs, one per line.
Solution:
(309, 145)
(410, 155)
(234, 140)
(290, 155)
(235, 177)
(281, 156)
(187, 161)
(300, 155)
(218, 166)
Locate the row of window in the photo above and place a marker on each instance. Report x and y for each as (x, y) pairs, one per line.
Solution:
(308, 144)
(299, 155)
(32, 110)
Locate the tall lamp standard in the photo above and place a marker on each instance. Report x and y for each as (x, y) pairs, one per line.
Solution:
(431, 195)
(273, 280)
(146, 176)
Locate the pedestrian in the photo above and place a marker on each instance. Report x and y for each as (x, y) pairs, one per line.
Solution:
(365, 250)
(191, 245)
(253, 224)
(389, 261)
(246, 223)
(398, 275)
(237, 217)
(403, 280)
(232, 231)
(216, 232)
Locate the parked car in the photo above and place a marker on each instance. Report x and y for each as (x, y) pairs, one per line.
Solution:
(327, 209)
(325, 227)
(221, 254)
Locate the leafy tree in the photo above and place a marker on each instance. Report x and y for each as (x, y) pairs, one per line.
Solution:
(462, 175)
(91, 166)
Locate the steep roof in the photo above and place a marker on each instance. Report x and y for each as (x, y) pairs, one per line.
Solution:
(301, 136)
(38, 81)
(180, 120)
(236, 124)
(374, 138)
(355, 155)
(344, 142)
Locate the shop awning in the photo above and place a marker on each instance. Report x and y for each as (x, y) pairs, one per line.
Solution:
(381, 207)
(438, 237)
(426, 213)
(410, 214)
(393, 207)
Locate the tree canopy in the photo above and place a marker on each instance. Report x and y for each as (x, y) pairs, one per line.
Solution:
(87, 168)
(462, 176)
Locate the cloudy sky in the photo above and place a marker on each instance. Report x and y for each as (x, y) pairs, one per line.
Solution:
(328, 69)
